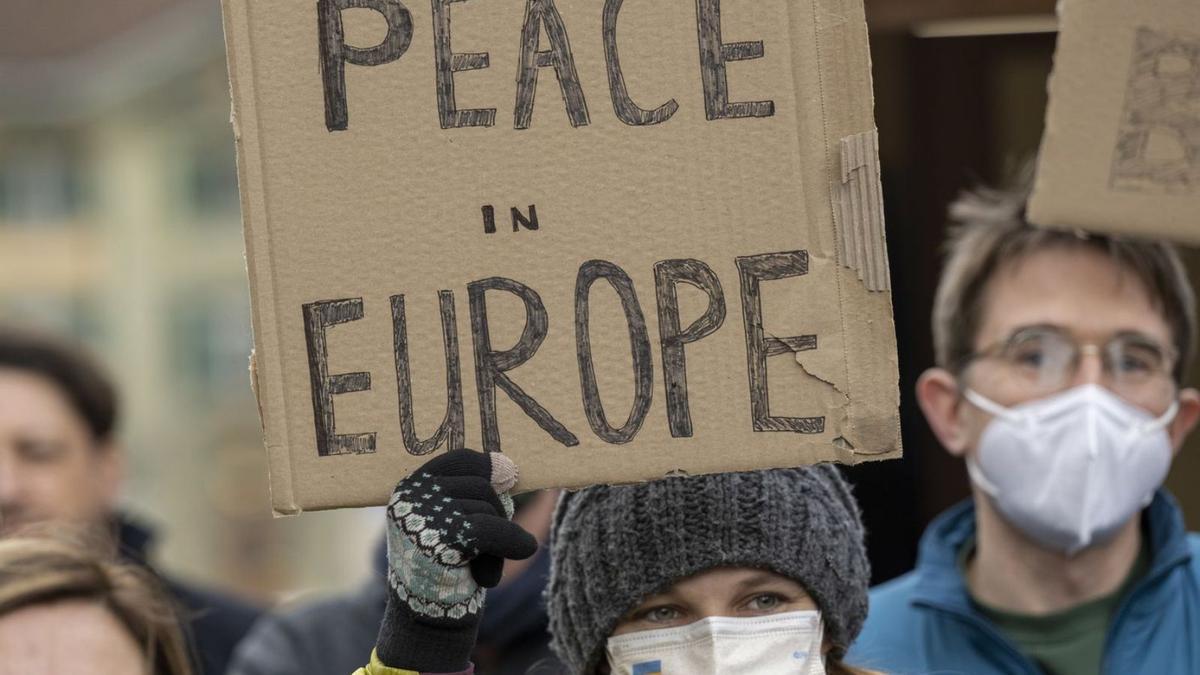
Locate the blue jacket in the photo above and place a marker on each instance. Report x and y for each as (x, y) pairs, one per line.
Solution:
(924, 623)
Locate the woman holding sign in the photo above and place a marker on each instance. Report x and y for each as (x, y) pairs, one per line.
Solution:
(762, 572)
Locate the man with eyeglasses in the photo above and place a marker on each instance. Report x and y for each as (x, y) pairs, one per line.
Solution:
(1060, 360)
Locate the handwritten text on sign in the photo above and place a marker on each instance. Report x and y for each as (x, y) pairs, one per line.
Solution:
(492, 365)
(714, 54)
(614, 239)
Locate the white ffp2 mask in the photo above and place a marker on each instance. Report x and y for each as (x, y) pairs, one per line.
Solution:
(1070, 470)
(778, 644)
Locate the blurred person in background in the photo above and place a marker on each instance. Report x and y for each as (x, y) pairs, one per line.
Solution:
(330, 636)
(1059, 381)
(66, 609)
(60, 462)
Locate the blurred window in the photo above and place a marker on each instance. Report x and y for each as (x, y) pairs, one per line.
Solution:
(41, 180)
(211, 188)
(210, 335)
(63, 314)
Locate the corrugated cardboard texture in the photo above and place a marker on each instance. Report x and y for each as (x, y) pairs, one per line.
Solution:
(600, 239)
(1122, 146)
(860, 212)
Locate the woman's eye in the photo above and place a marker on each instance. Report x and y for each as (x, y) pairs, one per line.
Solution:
(661, 614)
(765, 602)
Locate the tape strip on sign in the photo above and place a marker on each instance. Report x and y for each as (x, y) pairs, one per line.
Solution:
(862, 245)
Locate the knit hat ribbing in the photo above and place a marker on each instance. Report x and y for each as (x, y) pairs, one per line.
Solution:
(615, 545)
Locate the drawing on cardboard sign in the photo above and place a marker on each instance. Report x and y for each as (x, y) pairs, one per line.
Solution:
(1158, 144)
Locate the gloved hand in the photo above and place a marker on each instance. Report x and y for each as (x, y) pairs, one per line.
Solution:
(448, 534)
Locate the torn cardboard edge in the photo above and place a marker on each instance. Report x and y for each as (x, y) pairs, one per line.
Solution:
(864, 365)
(862, 241)
(844, 450)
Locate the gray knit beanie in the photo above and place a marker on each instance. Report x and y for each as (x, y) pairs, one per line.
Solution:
(613, 546)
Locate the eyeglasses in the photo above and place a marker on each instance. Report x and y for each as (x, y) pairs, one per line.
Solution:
(1045, 359)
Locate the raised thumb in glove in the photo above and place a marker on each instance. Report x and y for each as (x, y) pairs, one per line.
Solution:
(448, 535)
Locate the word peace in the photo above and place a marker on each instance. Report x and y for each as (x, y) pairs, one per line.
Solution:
(714, 54)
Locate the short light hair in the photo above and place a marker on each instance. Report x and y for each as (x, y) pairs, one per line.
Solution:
(39, 569)
(991, 232)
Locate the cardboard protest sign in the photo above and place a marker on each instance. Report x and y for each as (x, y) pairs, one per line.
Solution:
(614, 242)
(1121, 151)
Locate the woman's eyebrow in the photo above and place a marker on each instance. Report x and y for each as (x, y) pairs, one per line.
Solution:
(757, 580)
(656, 599)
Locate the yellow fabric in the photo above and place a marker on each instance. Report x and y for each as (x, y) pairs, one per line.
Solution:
(376, 667)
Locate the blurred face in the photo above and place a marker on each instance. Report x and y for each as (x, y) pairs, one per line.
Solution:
(51, 468)
(69, 636)
(1053, 320)
(726, 591)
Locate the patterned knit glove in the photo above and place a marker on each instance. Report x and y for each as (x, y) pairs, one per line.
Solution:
(448, 535)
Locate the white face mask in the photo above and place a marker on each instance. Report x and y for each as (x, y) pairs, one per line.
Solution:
(1070, 470)
(778, 644)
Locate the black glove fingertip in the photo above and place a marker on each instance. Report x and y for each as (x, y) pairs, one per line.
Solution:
(460, 463)
(527, 547)
(487, 570)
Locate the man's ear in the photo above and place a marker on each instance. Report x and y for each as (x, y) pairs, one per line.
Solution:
(1185, 420)
(938, 396)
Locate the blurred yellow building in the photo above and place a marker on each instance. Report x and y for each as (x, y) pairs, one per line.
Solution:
(119, 224)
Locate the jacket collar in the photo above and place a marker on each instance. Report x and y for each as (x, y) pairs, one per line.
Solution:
(941, 584)
(1163, 526)
(134, 538)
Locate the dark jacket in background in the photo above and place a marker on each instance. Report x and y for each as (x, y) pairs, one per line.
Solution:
(335, 636)
(213, 622)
